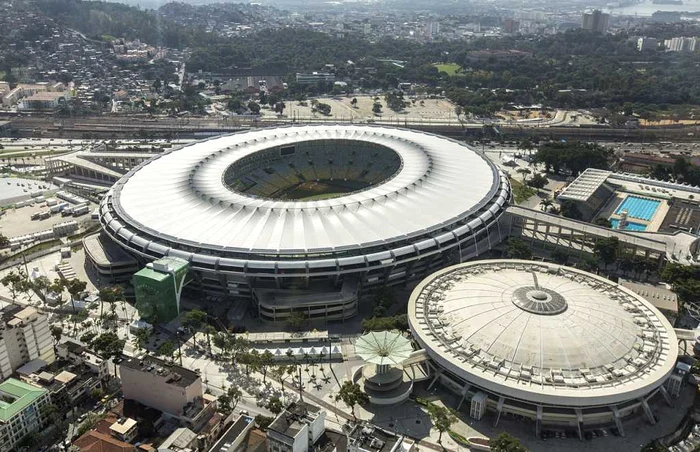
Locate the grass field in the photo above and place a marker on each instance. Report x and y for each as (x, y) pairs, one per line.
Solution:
(324, 189)
(449, 68)
(521, 192)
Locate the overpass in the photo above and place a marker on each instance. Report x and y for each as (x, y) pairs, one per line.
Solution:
(551, 231)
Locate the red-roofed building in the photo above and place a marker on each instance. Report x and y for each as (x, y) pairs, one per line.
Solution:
(94, 441)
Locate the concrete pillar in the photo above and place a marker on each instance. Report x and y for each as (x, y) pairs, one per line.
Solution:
(437, 375)
(499, 409)
(665, 395)
(465, 391)
(647, 411)
(538, 422)
(618, 420)
(579, 423)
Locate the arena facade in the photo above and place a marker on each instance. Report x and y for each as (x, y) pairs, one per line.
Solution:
(305, 218)
(560, 346)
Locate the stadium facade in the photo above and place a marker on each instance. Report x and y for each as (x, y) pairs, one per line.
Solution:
(560, 346)
(305, 218)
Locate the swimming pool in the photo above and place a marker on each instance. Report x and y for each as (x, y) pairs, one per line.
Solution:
(631, 226)
(642, 208)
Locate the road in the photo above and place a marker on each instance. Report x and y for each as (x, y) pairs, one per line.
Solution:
(199, 127)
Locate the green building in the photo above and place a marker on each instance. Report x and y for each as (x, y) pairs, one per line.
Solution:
(21, 406)
(158, 287)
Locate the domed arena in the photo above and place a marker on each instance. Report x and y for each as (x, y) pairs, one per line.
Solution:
(305, 218)
(554, 344)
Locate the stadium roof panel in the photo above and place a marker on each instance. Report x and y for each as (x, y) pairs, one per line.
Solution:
(439, 182)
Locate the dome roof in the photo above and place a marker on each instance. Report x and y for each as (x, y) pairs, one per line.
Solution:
(542, 328)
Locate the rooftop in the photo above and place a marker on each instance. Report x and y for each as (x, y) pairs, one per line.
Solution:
(544, 332)
(233, 432)
(172, 373)
(290, 421)
(123, 426)
(585, 185)
(94, 441)
(439, 181)
(374, 439)
(15, 396)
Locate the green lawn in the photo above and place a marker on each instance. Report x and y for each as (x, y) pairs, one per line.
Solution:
(449, 68)
(521, 192)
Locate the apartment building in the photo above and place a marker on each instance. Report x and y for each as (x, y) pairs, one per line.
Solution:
(21, 405)
(24, 336)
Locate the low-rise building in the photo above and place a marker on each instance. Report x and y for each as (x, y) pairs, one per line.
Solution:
(124, 429)
(234, 439)
(78, 354)
(24, 336)
(169, 388)
(94, 441)
(368, 438)
(314, 77)
(45, 101)
(296, 428)
(21, 405)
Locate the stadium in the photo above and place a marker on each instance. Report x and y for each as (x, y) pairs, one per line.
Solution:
(556, 345)
(305, 218)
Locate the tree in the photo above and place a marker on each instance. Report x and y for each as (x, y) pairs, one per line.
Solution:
(109, 346)
(458, 110)
(604, 222)
(254, 107)
(16, 282)
(229, 399)
(56, 333)
(353, 102)
(524, 172)
(505, 442)
(351, 394)
(517, 249)
(166, 350)
(196, 320)
(110, 295)
(538, 181)
(296, 320)
(275, 405)
(560, 257)
(377, 108)
(265, 361)
(141, 337)
(279, 107)
(397, 322)
(75, 287)
(4, 241)
(607, 248)
(263, 422)
(40, 285)
(442, 418)
(325, 109)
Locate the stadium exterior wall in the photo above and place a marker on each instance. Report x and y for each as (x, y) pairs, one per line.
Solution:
(332, 279)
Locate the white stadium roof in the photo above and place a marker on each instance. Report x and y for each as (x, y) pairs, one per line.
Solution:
(180, 196)
(544, 333)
